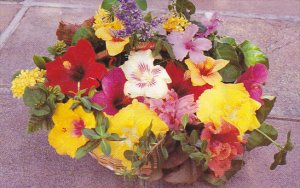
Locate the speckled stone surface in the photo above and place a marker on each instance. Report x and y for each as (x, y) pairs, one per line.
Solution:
(29, 161)
(7, 13)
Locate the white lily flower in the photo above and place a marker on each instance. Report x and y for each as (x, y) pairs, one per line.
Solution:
(143, 78)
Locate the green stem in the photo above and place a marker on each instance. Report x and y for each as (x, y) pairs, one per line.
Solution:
(275, 143)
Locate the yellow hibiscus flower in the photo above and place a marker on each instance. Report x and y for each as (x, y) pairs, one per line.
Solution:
(130, 123)
(206, 72)
(66, 136)
(230, 102)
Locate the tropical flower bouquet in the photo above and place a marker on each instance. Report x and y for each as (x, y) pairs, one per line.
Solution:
(152, 97)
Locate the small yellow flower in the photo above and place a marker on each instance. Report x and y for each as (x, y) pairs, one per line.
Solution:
(176, 23)
(206, 72)
(66, 136)
(130, 123)
(27, 78)
(230, 102)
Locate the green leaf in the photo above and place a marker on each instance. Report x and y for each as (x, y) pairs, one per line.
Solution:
(37, 123)
(185, 120)
(213, 180)
(227, 52)
(158, 47)
(263, 112)
(130, 155)
(194, 137)
(39, 62)
(99, 117)
(34, 97)
(85, 149)
(142, 4)
(228, 40)
(97, 106)
(256, 139)
(86, 103)
(105, 123)
(179, 137)
(187, 148)
(197, 156)
(115, 137)
(148, 17)
(169, 49)
(252, 54)
(15, 75)
(105, 147)
(84, 33)
(100, 130)
(280, 157)
(107, 4)
(41, 111)
(90, 134)
(236, 165)
(185, 7)
(92, 92)
(164, 152)
(75, 105)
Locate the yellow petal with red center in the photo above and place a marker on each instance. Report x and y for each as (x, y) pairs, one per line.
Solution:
(195, 74)
(116, 47)
(213, 78)
(219, 64)
(104, 33)
(62, 137)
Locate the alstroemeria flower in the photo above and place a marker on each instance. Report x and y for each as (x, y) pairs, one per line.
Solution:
(76, 69)
(184, 43)
(211, 21)
(66, 136)
(112, 94)
(223, 145)
(181, 84)
(206, 72)
(230, 102)
(143, 78)
(114, 45)
(172, 109)
(253, 79)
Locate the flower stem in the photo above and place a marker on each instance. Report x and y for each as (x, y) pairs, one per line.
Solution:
(275, 143)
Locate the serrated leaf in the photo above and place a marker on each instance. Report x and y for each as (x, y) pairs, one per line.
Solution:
(90, 134)
(85, 149)
(280, 157)
(194, 137)
(105, 147)
(252, 54)
(263, 112)
(41, 111)
(33, 97)
(107, 4)
(142, 4)
(256, 139)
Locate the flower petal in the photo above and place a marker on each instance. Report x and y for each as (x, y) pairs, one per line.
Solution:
(202, 44)
(134, 89)
(213, 78)
(158, 90)
(104, 33)
(116, 47)
(197, 56)
(219, 64)
(190, 31)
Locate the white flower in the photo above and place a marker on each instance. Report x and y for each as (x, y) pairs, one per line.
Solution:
(143, 78)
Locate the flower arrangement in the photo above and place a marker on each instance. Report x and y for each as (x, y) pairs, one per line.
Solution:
(180, 105)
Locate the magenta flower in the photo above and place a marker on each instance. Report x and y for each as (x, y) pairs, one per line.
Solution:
(112, 94)
(171, 110)
(184, 43)
(211, 21)
(253, 79)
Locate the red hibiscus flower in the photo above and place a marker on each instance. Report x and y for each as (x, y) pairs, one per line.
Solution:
(113, 92)
(223, 145)
(253, 79)
(76, 69)
(180, 84)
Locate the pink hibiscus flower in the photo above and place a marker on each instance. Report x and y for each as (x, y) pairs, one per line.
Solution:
(172, 109)
(184, 43)
(253, 79)
(112, 94)
(211, 21)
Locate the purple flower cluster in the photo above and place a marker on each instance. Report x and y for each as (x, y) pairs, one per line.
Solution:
(133, 20)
